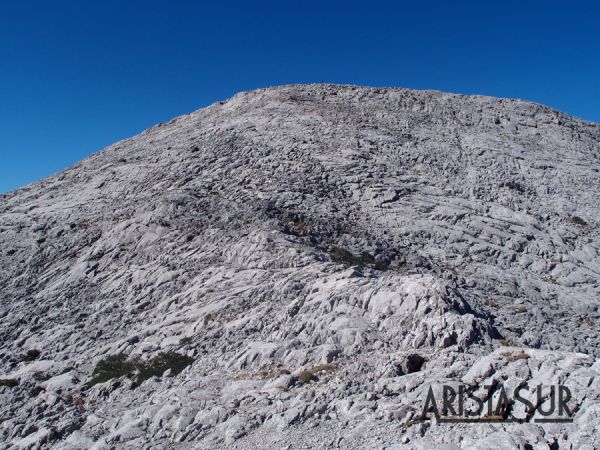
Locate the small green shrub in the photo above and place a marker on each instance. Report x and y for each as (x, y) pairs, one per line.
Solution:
(40, 375)
(345, 257)
(515, 186)
(577, 221)
(35, 391)
(31, 355)
(9, 382)
(161, 363)
(115, 366)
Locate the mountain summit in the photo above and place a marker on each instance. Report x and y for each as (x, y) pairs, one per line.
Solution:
(297, 266)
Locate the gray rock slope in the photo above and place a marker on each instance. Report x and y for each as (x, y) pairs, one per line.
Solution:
(324, 254)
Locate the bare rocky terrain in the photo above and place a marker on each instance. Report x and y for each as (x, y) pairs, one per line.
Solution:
(295, 267)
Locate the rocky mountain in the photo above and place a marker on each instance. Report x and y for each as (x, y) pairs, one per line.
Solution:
(295, 267)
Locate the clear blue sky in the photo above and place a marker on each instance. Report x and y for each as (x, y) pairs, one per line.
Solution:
(76, 76)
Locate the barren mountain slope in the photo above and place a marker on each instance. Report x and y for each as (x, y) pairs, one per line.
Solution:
(323, 254)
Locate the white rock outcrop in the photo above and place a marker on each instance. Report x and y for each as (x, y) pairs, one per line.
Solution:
(322, 255)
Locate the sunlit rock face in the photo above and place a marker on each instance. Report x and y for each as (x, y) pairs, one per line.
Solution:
(311, 260)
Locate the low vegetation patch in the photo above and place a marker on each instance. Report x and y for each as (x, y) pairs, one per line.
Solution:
(35, 391)
(208, 318)
(493, 303)
(265, 374)
(300, 227)
(9, 382)
(40, 375)
(162, 362)
(510, 357)
(343, 256)
(578, 221)
(31, 355)
(306, 376)
(327, 368)
(115, 366)
(515, 186)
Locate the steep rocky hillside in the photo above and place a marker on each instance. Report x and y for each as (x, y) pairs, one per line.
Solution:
(296, 266)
